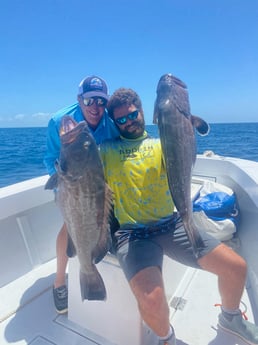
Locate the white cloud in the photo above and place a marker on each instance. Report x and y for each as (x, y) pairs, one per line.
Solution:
(19, 117)
(22, 120)
(41, 116)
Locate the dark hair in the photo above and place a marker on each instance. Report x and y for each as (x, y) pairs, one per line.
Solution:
(123, 96)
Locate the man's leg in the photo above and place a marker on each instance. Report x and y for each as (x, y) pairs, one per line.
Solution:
(231, 270)
(148, 288)
(141, 261)
(61, 257)
(60, 292)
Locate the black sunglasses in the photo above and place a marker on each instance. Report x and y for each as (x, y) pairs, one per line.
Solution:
(131, 116)
(101, 102)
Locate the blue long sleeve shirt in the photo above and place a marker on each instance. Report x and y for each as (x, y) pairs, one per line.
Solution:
(106, 129)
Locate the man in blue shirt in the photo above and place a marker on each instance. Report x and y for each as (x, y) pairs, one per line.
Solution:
(91, 106)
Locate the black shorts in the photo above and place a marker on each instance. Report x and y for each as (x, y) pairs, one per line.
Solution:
(135, 253)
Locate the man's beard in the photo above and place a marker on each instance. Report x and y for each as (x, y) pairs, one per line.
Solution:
(139, 130)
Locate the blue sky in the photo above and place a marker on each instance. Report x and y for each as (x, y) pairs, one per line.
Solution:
(48, 46)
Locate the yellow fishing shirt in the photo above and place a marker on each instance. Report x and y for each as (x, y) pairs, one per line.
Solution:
(135, 172)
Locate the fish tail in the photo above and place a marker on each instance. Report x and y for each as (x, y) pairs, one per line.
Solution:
(92, 286)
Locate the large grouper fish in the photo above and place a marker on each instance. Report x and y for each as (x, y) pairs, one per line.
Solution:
(85, 201)
(177, 135)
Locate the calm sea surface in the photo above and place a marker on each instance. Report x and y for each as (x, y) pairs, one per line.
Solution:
(22, 149)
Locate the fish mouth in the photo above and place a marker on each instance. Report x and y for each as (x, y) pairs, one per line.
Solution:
(67, 125)
(70, 129)
(170, 79)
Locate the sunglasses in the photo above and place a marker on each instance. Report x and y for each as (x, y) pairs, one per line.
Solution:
(131, 116)
(100, 102)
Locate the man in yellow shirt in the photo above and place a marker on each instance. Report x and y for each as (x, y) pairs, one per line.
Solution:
(149, 227)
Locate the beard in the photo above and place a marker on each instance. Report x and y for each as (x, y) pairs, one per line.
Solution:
(134, 130)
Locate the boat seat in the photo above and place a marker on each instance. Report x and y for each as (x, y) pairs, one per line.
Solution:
(116, 317)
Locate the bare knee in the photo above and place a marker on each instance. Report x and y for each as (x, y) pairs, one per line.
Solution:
(148, 289)
(240, 267)
(224, 261)
(154, 301)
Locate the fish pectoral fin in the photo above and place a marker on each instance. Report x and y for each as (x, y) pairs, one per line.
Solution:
(194, 237)
(101, 248)
(201, 126)
(70, 250)
(52, 182)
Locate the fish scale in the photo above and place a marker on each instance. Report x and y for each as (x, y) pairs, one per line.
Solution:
(177, 135)
(85, 201)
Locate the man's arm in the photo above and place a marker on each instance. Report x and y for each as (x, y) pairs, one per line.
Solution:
(53, 147)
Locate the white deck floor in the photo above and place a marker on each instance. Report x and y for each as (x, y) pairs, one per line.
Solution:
(27, 313)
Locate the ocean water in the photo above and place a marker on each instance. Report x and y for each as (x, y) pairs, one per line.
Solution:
(22, 149)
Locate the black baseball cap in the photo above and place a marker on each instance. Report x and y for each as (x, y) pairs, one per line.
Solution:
(93, 86)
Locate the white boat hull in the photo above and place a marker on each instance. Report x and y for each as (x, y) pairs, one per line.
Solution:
(29, 223)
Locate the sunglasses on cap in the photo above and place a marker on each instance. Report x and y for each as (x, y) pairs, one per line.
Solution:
(99, 101)
(131, 116)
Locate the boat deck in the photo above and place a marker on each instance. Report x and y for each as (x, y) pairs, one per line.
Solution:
(31, 319)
